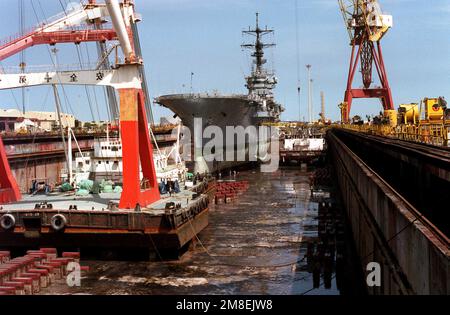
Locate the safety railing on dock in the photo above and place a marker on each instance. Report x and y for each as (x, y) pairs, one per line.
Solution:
(428, 133)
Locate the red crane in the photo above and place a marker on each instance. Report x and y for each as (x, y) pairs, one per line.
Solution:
(52, 33)
(366, 26)
(136, 142)
(39, 37)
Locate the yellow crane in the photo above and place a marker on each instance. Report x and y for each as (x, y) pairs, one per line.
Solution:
(366, 25)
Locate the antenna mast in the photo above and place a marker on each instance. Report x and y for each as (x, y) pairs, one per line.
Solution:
(258, 46)
(308, 67)
(322, 100)
(260, 83)
(297, 40)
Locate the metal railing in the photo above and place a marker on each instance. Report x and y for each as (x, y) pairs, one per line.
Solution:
(41, 29)
(48, 68)
(435, 133)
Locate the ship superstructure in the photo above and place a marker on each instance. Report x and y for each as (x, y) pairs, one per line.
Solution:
(105, 163)
(261, 82)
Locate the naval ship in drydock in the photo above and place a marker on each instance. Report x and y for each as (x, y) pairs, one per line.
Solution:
(252, 109)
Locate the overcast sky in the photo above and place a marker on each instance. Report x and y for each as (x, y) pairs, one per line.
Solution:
(204, 37)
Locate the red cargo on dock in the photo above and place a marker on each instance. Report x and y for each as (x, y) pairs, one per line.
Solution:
(227, 191)
(27, 282)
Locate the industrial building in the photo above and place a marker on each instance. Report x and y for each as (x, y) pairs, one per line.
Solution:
(13, 120)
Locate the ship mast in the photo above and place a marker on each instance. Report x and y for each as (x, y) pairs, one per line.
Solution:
(258, 46)
(260, 82)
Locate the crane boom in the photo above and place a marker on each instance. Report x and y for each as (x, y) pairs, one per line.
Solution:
(366, 25)
(365, 16)
(125, 78)
(62, 30)
(120, 28)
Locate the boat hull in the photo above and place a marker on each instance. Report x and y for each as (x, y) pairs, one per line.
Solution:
(220, 111)
(150, 233)
(94, 221)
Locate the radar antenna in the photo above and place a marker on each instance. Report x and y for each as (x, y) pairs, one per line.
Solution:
(258, 46)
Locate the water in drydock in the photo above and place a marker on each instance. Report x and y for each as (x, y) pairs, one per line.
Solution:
(256, 245)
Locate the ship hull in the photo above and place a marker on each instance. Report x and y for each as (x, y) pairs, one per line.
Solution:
(222, 112)
(152, 233)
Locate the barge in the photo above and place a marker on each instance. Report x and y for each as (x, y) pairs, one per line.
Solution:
(133, 215)
(95, 221)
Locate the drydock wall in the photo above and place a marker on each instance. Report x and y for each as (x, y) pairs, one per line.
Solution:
(40, 157)
(413, 260)
(44, 169)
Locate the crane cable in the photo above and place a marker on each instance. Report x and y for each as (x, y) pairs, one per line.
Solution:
(81, 65)
(54, 62)
(22, 53)
(297, 47)
(88, 95)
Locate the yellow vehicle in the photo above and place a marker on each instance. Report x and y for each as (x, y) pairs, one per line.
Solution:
(391, 116)
(408, 114)
(433, 108)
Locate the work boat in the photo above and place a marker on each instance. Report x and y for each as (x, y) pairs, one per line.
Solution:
(105, 163)
(131, 214)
